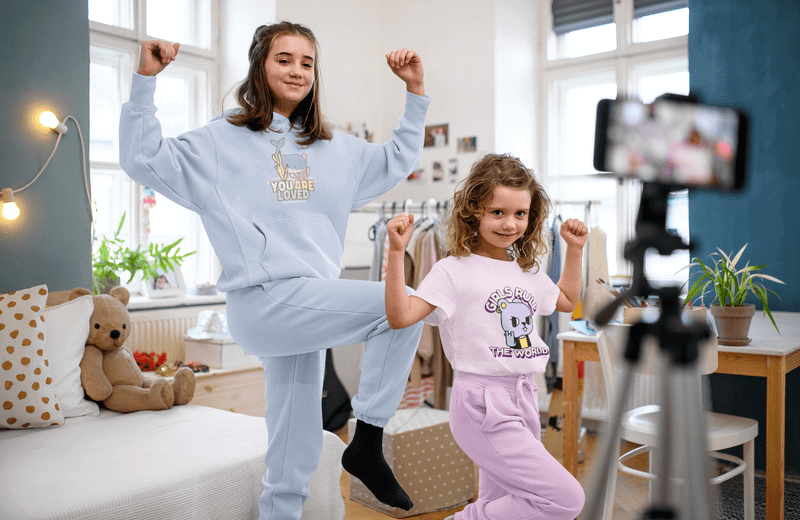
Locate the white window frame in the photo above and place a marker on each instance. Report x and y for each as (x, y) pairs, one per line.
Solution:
(625, 58)
(128, 41)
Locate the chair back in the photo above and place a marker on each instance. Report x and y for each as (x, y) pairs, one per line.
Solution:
(612, 340)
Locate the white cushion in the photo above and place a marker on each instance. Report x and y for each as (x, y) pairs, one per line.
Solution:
(67, 329)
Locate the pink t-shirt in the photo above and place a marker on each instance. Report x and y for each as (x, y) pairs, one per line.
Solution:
(485, 311)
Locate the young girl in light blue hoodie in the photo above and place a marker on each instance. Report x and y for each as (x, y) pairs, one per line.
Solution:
(274, 188)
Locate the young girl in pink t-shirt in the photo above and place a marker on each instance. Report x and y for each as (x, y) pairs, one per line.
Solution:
(484, 297)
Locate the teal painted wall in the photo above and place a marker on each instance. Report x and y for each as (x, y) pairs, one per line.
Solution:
(746, 54)
(44, 65)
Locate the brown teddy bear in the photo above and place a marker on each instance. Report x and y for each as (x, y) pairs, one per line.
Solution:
(108, 371)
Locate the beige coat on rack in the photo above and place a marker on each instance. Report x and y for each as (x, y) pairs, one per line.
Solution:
(595, 297)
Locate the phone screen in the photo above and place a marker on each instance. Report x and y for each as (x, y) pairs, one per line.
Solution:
(672, 142)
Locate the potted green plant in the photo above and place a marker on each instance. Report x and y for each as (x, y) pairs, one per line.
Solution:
(113, 258)
(731, 286)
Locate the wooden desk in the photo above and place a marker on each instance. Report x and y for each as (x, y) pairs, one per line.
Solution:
(770, 355)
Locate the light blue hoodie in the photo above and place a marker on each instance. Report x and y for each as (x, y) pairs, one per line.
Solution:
(271, 208)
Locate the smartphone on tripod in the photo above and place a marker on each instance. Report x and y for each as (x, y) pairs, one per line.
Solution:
(674, 141)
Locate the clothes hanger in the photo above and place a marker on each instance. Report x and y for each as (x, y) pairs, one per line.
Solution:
(372, 232)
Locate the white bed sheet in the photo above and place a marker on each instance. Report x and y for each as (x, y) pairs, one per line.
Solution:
(187, 462)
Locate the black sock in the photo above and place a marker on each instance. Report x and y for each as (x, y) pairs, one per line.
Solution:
(363, 459)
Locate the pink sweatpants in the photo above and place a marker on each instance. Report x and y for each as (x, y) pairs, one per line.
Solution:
(495, 420)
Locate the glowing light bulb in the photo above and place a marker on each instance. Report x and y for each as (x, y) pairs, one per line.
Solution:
(10, 209)
(50, 120)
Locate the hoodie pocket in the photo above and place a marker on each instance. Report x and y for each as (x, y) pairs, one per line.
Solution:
(300, 246)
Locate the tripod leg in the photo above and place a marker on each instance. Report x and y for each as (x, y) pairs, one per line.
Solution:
(697, 484)
(663, 469)
(609, 452)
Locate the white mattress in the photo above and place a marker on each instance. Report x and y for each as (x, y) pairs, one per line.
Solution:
(187, 462)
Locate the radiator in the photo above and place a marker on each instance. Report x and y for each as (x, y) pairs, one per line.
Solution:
(162, 330)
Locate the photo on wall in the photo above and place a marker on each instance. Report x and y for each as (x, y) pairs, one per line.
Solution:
(436, 136)
(438, 171)
(417, 175)
(452, 170)
(466, 144)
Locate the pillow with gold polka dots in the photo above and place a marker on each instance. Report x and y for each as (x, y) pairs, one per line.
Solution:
(27, 390)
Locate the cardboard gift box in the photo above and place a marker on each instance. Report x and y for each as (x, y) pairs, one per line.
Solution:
(217, 352)
(426, 461)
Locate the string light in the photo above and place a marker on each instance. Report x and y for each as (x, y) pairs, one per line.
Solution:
(10, 209)
(48, 119)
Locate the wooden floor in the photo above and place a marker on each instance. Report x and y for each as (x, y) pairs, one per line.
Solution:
(631, 497)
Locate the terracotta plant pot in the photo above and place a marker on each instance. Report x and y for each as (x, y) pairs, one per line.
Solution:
(733, 324)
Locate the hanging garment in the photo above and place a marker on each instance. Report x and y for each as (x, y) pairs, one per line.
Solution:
(595, 296)
(377, 254)
(426, 255)
(543, 322)
(555, 274)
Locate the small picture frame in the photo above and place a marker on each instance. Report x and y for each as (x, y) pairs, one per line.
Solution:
(436, 136)
(466, 144)
(165, 285)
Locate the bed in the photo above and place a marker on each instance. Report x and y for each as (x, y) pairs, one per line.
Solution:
(188, 462)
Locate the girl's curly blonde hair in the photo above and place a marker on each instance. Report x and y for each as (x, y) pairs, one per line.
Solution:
(475, 192)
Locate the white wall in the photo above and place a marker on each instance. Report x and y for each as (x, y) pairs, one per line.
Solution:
(241, 18)
(516, 96)
(350, 55)
(456, 42)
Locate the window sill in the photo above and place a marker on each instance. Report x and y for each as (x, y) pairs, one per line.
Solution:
(140, 303)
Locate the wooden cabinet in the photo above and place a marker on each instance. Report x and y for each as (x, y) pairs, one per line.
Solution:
(239, 389)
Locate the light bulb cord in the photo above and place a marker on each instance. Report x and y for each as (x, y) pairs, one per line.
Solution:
(83, 159)
(43, 167)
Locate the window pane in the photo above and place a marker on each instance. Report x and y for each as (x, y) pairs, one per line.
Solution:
(176, 99)
(112, 12)
(184, 21)
(181, 100)
(171, 101)
(664, 270)
(576, 127)
(110, 196)
(168, 223)
(661, 26)
(104, 108)
(650, 87)
(584, 42)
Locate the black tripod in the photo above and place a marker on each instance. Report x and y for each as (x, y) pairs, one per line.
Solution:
(682, 428)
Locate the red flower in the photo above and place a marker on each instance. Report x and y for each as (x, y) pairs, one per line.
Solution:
(149, 362)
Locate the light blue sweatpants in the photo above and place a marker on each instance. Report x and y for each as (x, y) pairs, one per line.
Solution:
(289, 324)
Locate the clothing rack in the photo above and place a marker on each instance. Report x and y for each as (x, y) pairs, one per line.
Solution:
(406, 206)
(587, 206)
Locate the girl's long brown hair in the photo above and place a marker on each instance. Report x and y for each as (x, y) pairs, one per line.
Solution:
(475, 192)
(255, 97)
